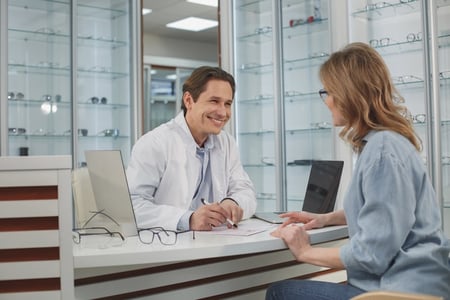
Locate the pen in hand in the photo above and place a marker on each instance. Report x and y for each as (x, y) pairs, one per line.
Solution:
(228, 220)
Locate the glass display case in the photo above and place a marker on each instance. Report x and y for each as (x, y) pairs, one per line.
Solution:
(281, 124)
(405, 34)
(163, 87)
(71, 81)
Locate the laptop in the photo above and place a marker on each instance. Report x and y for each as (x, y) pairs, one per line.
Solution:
(110, 188)
(321, 191)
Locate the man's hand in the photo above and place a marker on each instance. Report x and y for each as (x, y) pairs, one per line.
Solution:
(234, 211)
(207, 216)
(215, 214)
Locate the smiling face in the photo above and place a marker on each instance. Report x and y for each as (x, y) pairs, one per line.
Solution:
(211, 111)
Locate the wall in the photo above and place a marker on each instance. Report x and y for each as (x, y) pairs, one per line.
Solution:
(154, 45)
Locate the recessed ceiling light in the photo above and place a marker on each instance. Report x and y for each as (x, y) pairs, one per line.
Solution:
(205, 2)
(146, 11)
(193, 24)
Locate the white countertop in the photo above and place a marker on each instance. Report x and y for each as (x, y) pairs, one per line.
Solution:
(205, 245)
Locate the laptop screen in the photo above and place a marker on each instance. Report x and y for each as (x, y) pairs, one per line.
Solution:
(110, 187)
(323, 185)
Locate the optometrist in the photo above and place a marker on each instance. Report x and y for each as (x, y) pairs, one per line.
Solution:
(189, 159)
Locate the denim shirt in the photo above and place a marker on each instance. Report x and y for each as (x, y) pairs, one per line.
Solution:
(394, 222)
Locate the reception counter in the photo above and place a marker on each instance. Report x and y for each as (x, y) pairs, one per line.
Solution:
(209, 266)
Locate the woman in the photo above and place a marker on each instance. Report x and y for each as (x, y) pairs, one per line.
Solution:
(396, 242)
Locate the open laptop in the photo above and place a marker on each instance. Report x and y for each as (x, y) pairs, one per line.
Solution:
(110, 188)
(321, 191)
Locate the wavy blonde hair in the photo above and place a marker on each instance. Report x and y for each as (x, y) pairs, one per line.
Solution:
(360, 83)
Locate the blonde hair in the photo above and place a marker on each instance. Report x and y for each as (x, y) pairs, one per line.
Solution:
(360, 83)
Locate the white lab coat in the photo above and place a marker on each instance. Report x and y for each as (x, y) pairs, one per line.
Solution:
(162, 176)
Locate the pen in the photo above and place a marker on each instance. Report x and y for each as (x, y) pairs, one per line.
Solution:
(228, 220)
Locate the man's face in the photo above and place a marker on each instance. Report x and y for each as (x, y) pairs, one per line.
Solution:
(211, 111)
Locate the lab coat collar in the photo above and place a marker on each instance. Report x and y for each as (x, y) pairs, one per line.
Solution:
(180, 120)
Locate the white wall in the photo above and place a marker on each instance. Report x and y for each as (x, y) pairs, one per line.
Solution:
(154, 45)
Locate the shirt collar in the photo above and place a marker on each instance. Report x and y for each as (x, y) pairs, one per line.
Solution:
(180, 120)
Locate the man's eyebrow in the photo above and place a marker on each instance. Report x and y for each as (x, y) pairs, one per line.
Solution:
(220, 98)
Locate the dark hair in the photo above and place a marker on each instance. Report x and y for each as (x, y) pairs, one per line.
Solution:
(196, 83)
(360, 83)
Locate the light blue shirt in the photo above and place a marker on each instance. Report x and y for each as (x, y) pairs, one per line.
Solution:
(204, 184)
(396, 241)
(164, 169)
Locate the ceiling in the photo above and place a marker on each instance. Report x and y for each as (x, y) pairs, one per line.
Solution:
(166, 11)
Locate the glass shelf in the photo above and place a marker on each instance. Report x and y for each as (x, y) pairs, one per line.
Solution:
(326, 129)
(257, 165)
(256, 68)
(291, 131)
(100, 9)
(264, 34)
(54, 6)
(444, 40)
(443, 3)
(289, 164)
(47, 70)
(289, 65)
(306, 62)
(48, 35)
(290, 97)
(381, 10)
(395, 47)
(306, 29)
(67, 136)
(66, 104)
(258, 6)
(94, 8)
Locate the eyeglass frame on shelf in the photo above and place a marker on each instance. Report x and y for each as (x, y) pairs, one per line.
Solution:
(96, 213)
(162, 230)
(76, 231)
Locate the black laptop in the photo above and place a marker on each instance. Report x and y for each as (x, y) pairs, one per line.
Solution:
(321, 191)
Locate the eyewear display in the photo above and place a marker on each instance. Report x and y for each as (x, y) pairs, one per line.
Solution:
(16, 131)
(406, 79)
(321, 125)
(96, 100)
(114, 132)
(414, 37)
(104, 237)
(165, 237)
(420, 118)
(15, 96)
(383, 42)
(377, 5)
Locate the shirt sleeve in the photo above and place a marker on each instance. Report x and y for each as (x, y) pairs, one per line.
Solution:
(240, 187)
(385, 217)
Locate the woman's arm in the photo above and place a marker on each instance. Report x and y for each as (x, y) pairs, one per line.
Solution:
(312, 220)
(297, 239)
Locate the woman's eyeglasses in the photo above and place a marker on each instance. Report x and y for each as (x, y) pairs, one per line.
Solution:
(323, 94)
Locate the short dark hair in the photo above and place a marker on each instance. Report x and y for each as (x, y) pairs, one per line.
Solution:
(196, 83)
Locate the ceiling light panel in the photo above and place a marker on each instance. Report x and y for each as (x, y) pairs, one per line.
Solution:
(212, 3)
(193, 24)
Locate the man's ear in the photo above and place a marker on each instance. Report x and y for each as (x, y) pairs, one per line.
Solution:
(187, 100)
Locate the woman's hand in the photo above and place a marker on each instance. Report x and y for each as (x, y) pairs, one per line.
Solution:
(310, 220)
(295, 237)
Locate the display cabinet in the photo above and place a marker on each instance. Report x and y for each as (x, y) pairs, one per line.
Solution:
(163, 87)
(72, 77)
(281, 124)
(279, 121)
(413, 37)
